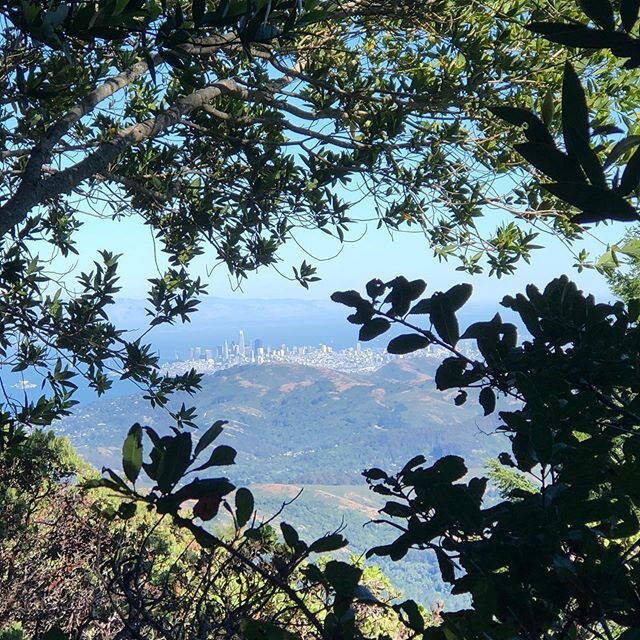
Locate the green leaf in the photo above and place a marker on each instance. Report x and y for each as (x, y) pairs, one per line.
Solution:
(631, 248)
(209, 436)
(373, 328)
(487, 400)
(244, 506)
(587, 158)
(547, 108)
(407, 343)
(600, 11)
(132, 453)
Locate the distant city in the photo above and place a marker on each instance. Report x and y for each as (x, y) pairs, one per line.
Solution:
(242, 352)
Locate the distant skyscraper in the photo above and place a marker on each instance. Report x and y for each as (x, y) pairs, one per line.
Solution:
(225, 351)
(242, 345)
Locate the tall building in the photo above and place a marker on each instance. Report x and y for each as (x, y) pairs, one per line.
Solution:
(225, 351)
(242, 345)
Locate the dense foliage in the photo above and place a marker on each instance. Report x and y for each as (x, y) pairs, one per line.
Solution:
(235, 124)
(559, 557)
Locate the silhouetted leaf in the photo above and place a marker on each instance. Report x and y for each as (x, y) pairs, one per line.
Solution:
(173, 461)
(575, 114)
(209, 436)
(448, 374)
(596, 204)
(375, 288)
(132, 453)
(445, 564)
(197, 11)
(349, 298)
(631, 175)
(579, 35)
(332, 542)
(620, 148)
(373, 328)
(600, 11)
(444, 319)
(587, 158)
(550, 161)
(629, 13)
(289, 534)
(221, 456)
(535, 131)
(422, 306)
(414, 617)
(244, 506)
(407, 343)
(458, 295)
(487, 400)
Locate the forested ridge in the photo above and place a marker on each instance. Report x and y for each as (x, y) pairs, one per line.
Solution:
(229, 128)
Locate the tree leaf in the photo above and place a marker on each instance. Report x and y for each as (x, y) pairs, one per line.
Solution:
(132, 453)
(173, 461)
(373, 328)
(209, 436)
(487, 400)
(332, 542)
(587, 158)
(289, 534)
(349, 298)
(444, 318)
(551, 161)
(547, 108)
(221, 456)
(621, 147)
(535, 131)
(575, 114)
(629, 13)
(244, 506)
(458, 295)
(407, 343)
(631, 175)
(596, 204)
(579, 35)
(600, 11)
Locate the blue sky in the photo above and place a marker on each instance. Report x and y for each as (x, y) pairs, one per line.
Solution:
(376, 254)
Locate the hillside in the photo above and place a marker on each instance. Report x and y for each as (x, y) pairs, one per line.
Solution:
(299, 424)
(296, 426)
